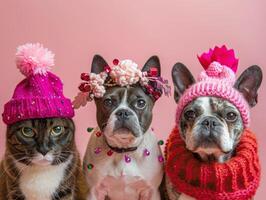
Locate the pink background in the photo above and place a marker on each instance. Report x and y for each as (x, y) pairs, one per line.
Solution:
(175, 30)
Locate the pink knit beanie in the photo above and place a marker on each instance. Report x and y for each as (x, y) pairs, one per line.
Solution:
(217, 80)
(40, 94)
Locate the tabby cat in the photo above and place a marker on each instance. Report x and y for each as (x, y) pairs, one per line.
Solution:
(41, 162)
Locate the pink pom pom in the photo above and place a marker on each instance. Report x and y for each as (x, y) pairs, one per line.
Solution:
(34, 59)
(221, 55)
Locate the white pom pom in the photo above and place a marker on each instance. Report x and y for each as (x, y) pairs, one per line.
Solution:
(34, 59)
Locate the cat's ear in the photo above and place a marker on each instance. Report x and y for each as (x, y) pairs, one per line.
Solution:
(182, 79)
(98, 64)
(153, 62)
(248, 84)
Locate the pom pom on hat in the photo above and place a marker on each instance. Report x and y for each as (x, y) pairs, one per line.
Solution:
(221, 55)
(34, 59)
(40, 94)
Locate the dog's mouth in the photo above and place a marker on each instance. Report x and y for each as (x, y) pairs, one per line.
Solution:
(122, 138)
(208, 143)
(208, 149)
(126, 128)
(121, 130)
(210, 153)
(206, 158)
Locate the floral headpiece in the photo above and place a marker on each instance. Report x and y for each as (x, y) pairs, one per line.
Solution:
(122, 73)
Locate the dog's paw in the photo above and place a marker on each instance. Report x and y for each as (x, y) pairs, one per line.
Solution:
(146, 194)
(101, 192)
(172, 194)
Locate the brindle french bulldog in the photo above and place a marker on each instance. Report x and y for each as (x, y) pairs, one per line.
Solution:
(124, 115)
(211, 127)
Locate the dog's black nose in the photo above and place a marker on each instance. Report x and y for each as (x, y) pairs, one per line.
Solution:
(210, 122)
(123, 114)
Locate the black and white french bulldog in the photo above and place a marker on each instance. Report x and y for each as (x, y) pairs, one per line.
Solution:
(120, 170)
(211, 127)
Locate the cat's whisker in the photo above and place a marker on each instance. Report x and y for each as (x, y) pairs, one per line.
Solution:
(13, 162)
(8, 168)
(21, 155)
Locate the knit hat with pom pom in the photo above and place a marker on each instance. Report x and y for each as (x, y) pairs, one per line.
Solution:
(216, 80)
(40, 94)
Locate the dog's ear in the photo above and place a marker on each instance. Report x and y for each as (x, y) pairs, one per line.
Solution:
(153, 62)
(248, 84)
(98, 64)
(182, 79)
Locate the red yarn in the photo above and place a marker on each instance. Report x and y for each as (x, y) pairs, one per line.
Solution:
(236, 179)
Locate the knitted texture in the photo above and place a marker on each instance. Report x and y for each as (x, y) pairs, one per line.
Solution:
(236, 179)
(216, 80)
(40, 94)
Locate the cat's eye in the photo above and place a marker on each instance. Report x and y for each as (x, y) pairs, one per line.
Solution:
(108, 102)
(57, 130)
(140, 104)
(27, 132)
(231, 117)
(190, 115)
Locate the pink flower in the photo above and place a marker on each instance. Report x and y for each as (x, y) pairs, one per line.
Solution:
(80, 100)
(125, 73)
(221, 55)
(99, 91)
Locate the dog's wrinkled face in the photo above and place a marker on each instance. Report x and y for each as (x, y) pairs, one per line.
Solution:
(211, 127)
(124, 114)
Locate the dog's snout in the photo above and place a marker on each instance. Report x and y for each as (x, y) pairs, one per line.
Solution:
(210, 122)
(123, 114)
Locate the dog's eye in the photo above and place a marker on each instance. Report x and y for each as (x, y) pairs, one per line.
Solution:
(140, 104)
(231, 116)
(27, 132)
(57, 130)
(190, 115)
(108, 102)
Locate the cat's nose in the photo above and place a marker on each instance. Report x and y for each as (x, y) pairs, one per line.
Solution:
(43, 150)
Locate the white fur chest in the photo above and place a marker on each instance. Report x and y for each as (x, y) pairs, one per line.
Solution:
(41, 182)
(126, 180)
(113, 177)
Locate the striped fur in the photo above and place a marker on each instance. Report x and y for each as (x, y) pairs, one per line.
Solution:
(18, 169)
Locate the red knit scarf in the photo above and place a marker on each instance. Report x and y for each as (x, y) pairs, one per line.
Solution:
(236, 179)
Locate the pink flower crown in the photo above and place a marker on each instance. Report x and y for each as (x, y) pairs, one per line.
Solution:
(123, 73)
